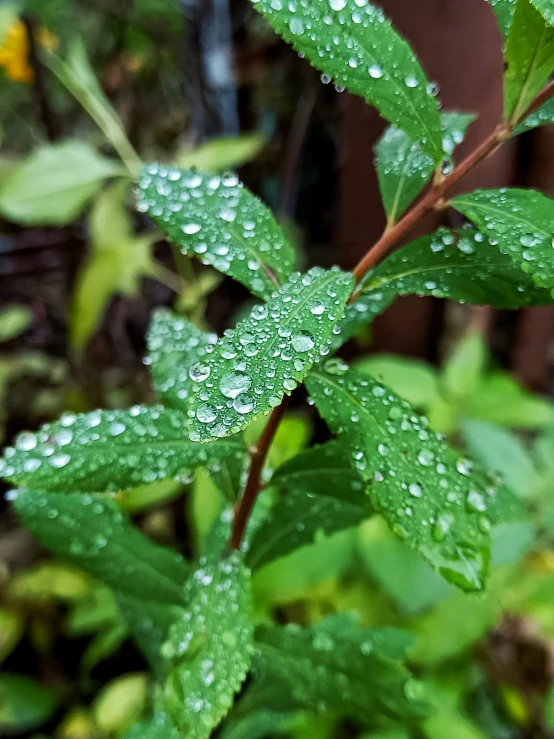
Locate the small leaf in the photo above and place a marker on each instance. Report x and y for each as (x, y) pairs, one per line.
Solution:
(174, 345)
(53, 185)
(219, 155)
(412, 379)
(210, 648)
(521, 221)
(541, 117)
(93, 534)
(219, 221)
(356, 46)
(14, 320)
(546, 9)
(530, 59)
(462, 265)
(298, 519)
(268, 354)
(24, 704)
(107, 451)
(430, 496)
(12, 627)
(504, 11)
(337, 667)
(120, 703)
(464, 368)
(403, 168)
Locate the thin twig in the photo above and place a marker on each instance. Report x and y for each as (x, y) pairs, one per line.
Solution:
(252, 488)
(39, 81)
(390, 238)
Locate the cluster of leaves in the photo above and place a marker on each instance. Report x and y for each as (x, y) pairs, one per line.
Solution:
(194, 621)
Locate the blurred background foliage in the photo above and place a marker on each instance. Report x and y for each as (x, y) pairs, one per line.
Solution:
(87, 89)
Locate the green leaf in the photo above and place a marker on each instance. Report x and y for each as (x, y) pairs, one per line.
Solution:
(501, 400)
(546, 9)
(336, 666)
(462, 265)
(210, 649)
(412, 379)
(14, 320)
(403, 167)
(219, 155)
(219, 221)
(465, 367)
(504, 11)
(159, 726)
(521, 221)
(298, 519)
(12, 627)
(116, 264)
(106, 451)
(541, 117)
(174, 345)
(268, 354)
(503, 453)
(52, 186)
(356, 46)
(24, 704)
(93, 534)
(530, 59)
(430, 496)
(120, 703)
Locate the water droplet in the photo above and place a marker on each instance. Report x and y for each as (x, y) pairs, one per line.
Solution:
(199, 372)
(191, 228)
(375, 71)
(26, 441)
(206, 413)
(415, 490)
(244, 403)
(303, 341)
(234, 383)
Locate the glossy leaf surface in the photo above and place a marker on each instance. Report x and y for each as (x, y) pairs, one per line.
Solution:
(521, 221)
(210, 648)
(268, 354)
(106, 451)
(357, 47)
(219, 221)
(430, 496)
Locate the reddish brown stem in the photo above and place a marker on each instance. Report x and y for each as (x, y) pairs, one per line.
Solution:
(252, 488)
(391, 237)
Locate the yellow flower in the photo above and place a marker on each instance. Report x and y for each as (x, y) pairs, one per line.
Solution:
(14, 52)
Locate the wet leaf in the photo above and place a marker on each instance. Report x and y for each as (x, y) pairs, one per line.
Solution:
(504, 11)
(462, 265)
(107, 451)
(209, 649)
(174, 345)
(403, 167)
(219, 221)
(54, 183)
(529, 57)
(430, 496)
(541, 117)
(521, 222)
(268, 354)
(159, 726)
(355, 45)
(93, 534)
(337, 666)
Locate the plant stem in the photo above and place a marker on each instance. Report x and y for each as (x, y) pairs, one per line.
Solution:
(39, 81)
(390, 238)
(252, 488)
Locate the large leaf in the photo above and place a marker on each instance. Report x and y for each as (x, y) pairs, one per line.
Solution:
(430, 496)
(504, 11)
(159, 726)
(92, 533)
(268, 354)
(106, 451)
(546, 9)
(462, 265)
(174, 345)
(355, 45)
(210, 648)
(521, 221)
(530, 59)
(298, 519)
(403, 167)
(54, 183)
(336, 666)
(218, 220)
